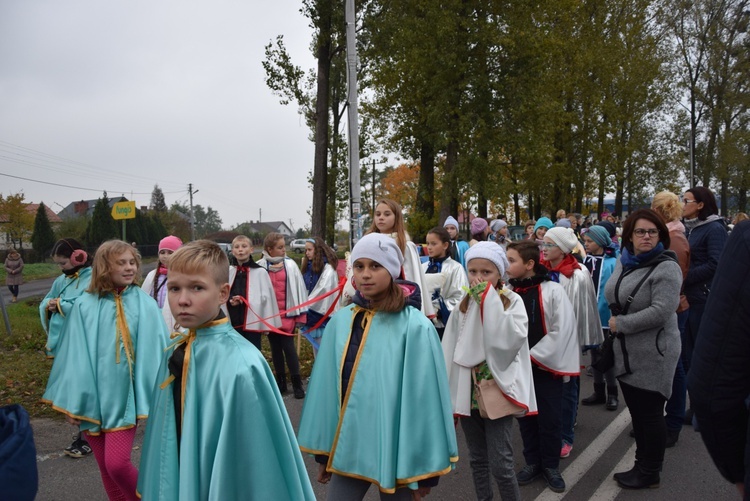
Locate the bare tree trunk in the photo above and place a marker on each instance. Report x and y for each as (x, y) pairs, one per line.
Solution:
(449, 195)
(320, 169)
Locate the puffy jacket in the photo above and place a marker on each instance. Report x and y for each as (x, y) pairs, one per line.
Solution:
(706, 241)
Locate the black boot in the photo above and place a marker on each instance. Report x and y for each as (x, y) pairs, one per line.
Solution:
(612, 401)
(281, 381)
(598, 397)
(672, 437)
(299, 392)
(644, 475)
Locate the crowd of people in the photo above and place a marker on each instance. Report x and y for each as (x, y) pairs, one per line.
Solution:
(484, 333)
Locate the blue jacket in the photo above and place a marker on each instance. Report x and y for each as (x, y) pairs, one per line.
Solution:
(706, 241)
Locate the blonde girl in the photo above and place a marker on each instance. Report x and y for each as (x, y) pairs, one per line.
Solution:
(106, 364)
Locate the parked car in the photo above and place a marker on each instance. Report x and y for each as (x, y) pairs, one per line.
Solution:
(298, 245)
(516, 232)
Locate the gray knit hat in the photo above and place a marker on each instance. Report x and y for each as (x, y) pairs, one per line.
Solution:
(382, 249)
(490, 251)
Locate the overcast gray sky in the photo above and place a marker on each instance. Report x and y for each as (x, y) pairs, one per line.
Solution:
(120, 96)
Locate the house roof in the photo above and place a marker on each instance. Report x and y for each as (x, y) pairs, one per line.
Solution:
(32, 208)
(77, 208)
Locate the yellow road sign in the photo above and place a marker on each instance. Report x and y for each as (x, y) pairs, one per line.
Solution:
(123, 210)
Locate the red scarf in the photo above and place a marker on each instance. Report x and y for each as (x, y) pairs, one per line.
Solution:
(567, 266)
(161, 270)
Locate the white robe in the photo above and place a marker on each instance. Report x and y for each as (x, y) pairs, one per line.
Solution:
(449, 282)
(557, 352)
(580, 290)
(494, 334)
(262, 299)
(296, 292)
(327, 281)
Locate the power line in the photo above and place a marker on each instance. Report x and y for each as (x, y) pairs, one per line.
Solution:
(58, 161)
(84, 189)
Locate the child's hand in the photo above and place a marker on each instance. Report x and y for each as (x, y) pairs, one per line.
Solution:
(476, 281)
(235, 300)
(73, 421)
(52, 305)
(323, 476)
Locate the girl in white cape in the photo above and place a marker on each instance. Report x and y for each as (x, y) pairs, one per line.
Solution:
(486, 338)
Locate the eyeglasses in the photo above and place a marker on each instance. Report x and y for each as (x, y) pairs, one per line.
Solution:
(640, 232)
(549, 246)
(690, 201)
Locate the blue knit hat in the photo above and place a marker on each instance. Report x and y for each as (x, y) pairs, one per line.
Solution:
(600, 236)
(543, 222)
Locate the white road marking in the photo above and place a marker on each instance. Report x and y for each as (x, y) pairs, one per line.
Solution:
(589, 456)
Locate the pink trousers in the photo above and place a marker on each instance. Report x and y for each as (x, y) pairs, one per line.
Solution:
(112, 452)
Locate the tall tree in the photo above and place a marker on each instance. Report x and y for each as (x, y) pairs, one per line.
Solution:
(320, 96)
(158, 203)
(43, 237)
(101, 226)
(19, 222)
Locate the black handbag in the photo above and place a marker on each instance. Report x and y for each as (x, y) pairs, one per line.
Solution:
(606, 358)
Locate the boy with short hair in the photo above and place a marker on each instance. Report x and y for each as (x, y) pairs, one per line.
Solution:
(218, 428)
(553, 347)
(251, 297)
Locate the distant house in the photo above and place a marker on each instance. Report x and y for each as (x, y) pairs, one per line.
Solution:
(5, 241)
(270, 227)
(85, 207)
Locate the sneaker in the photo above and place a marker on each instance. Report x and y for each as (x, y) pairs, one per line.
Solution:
(565, 451)
(78, 449)
(528, 474)
(554, 480)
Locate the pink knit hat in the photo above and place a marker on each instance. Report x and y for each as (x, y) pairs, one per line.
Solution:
(170, 242)
(478, 225)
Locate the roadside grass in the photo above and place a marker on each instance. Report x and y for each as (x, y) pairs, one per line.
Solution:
(24, 367)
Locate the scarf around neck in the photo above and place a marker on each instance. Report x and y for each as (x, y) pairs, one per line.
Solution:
(566, 267)
(273, 260)
(630, 260)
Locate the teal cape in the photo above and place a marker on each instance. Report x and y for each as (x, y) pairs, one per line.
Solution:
(66, 290)
(237, 441)
(395, 426)
(87, 381)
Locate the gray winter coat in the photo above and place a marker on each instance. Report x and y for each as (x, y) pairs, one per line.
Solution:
(652, 340)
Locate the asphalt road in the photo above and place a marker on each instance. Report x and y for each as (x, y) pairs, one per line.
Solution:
(602, 443)
(602, 447)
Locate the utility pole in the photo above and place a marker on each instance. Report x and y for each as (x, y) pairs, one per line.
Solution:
(355, 228)
(192, 216)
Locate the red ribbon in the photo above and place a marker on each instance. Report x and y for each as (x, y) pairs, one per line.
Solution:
(339, 289)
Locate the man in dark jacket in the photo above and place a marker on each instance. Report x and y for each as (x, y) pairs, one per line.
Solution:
(719, 380)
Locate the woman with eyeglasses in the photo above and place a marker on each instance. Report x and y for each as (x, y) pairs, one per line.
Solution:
(643, 294)
(707, 234)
